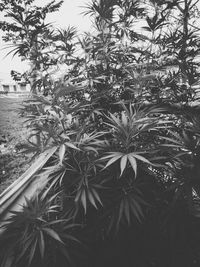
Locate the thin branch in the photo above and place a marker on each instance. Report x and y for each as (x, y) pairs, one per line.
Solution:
(194, 4)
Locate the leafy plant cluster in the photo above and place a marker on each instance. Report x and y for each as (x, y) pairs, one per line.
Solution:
(124, 121)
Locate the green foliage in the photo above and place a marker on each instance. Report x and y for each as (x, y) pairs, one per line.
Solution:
(124, 126)
(38, 230)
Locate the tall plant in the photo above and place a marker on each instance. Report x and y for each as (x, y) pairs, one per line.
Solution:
(126, 135)
(30, 37)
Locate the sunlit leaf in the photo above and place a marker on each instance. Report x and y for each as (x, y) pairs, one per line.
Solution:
(112, 160)
(112, 154)
(68, 144)
(123, 163)
(61, 153)
(140, 158)
(133, 163)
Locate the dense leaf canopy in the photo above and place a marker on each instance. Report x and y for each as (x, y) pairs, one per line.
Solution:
(123, 116)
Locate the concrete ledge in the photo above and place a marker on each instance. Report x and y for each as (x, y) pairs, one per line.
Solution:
(13, 198)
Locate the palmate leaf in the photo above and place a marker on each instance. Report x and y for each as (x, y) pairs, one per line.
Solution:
(124, 158)
(114, 157)
(141, 158)
(132, 123)
(116, 123)
(88, 194)
(129, 207)
(32, 230)
(91, 142)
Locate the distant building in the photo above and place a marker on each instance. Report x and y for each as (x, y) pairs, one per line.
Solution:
(9, 87)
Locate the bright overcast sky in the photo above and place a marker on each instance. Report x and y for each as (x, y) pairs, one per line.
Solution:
(69, 14)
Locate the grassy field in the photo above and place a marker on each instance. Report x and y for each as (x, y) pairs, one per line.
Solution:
(9, 116)
(12, 128)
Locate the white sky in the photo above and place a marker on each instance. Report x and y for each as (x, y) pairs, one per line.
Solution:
(69, 14)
